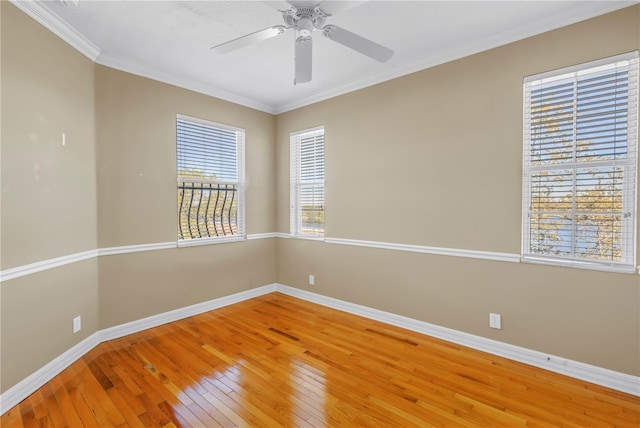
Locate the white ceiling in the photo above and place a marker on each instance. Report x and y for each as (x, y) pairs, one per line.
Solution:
(171, 40)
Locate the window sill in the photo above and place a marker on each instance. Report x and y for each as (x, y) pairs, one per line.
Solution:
(579, 264)
(210, 241)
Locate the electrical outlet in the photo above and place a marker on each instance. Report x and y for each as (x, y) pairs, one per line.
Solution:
(495, 321)
(312, 280)
(77, 324)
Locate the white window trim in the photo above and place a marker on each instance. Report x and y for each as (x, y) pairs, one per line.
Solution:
(294, 212)
(210, 241)
(630, 204)
(240, 150)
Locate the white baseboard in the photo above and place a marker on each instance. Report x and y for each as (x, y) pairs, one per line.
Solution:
(600, 376)
(597, 375)
(30, 384)
(178, 314)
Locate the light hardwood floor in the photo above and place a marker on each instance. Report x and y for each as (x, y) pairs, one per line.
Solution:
(278, 361)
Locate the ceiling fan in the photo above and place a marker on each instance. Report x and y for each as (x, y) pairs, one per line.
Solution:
(305, 17)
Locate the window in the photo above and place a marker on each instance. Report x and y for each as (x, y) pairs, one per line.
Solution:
(307, 182)
(210, 160)
(580, 162)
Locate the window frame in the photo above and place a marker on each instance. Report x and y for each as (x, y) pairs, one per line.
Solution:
(628, 166)
(240, 140)
(295, 208)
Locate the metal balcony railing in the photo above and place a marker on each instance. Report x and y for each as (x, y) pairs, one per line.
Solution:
(207, 209)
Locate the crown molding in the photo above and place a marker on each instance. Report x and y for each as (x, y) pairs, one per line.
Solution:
(533, 28)
(49, 20)
(175, 80)
(60, 28)
(67, 33)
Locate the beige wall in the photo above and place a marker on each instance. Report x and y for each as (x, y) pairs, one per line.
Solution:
(48, 194)
(449, 138)
(48, 190)
(37, 314)
(57, 200)
(137, 200)
(136, 134)
(137, 285)
(441, 151)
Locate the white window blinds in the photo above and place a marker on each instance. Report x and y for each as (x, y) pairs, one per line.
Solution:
(210, 175)
(580, 163)
(307, 182)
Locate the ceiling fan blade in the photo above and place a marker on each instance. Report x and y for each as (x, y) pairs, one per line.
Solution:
(358, 43)
(278, 5)
(303, 59)
(334, 7)
(243, 41)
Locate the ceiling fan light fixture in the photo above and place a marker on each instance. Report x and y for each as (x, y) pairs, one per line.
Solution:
(305, 26)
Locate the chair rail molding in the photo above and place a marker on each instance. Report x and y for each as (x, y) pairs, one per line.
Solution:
(19, 271)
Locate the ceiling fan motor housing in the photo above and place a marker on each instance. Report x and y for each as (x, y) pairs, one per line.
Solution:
(305, 19)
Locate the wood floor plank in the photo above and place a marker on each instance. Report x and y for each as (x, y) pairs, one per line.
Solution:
(53, 407)
(27, 415)
(62, 397)
(83, 411)
(242, 409)
(12, 418)
(277, 361)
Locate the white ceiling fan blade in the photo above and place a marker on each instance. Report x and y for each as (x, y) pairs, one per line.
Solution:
(249, 39)
(358, 43)
(303, 59)
(278, 5)
(334, 7)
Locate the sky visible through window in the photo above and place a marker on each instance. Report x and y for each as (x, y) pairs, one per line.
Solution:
(206, 152)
